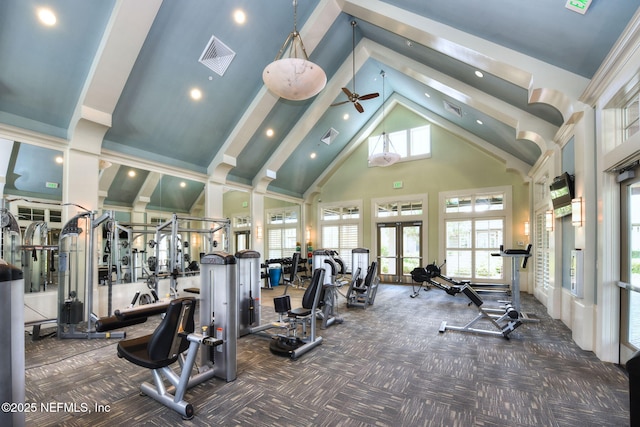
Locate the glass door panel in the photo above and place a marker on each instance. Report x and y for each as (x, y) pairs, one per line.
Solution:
(388, 252)
(399, 250)
(630, 269)
(411, 256)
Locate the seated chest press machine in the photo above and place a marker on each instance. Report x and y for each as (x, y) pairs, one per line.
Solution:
(505, 319)
(175, 339)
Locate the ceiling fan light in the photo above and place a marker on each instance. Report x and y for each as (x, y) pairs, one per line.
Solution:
(295, 79)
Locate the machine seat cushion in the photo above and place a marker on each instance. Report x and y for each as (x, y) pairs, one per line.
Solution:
(300, 312)
(155, 350)
(136, 352)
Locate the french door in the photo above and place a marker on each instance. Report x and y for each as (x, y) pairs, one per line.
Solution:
(399, 250)
(630, 267)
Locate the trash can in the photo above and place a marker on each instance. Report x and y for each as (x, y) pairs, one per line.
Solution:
(275, 271)
(633, 368)
(12, 377)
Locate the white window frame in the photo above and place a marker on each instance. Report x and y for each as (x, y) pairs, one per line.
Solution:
(284, 228)
(409, 198)
(505, 214)
(401, 147)
(343, 220)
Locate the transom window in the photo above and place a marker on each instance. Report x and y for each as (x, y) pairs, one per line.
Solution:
(475, 203)
(391, 209)
(336, 213)
(241, 221)
(411, 144)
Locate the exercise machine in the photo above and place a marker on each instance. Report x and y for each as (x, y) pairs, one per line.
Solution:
(176, 339)
(12, 368)
(37, 257)
(504, 322)
(292, 344)
(329, 261)
(75, 283)
(249, 309)
(362, 293)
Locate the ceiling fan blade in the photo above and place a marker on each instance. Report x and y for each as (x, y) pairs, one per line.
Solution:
(368, 96)
(347, 92)
(358, 107)
(339, 103)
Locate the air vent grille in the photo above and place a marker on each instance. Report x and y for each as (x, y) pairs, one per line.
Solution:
(329, 136)
(452, 108)
(217, 56)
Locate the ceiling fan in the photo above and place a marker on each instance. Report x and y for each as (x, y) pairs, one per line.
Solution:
(353, 95)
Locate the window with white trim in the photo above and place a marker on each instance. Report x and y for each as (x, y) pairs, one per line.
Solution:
(631, 117)
(474, 226)
(340, 227)
(411, 144)
(398, 208)
(541, 251)
(282, 232)
(242, 222)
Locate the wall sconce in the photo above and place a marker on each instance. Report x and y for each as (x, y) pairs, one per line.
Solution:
(576, 212)
(548, 220)
(308, 234)
(526, 228)
(259, 232)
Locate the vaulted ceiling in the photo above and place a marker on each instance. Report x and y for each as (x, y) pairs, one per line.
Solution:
(128, 66)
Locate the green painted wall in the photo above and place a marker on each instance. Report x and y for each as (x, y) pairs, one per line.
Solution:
(232, 203)
(455, 165)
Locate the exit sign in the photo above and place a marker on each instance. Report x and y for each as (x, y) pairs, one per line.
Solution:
(579, 6)
(397, 184)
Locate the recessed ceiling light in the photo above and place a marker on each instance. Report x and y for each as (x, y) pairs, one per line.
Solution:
(313, 155)
(479, 122)
(479, 73)
(59, 160)
(427, 95)
(183, 184)
(132, 173)
(196, 94)
(346, 116)
(239, 16)
(47, 17)
(269, 132)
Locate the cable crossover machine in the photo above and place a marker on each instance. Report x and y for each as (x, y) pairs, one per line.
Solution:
(504, 319)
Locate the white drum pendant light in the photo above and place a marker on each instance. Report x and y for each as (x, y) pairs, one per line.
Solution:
(294, 78)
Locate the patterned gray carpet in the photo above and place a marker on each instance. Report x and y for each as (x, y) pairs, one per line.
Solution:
(384, 366)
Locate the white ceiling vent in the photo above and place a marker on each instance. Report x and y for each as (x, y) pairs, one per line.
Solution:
(329, 136)
(452, 108)
(217, 56)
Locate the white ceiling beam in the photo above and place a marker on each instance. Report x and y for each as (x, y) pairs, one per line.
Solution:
(313, 31)
(119, 48)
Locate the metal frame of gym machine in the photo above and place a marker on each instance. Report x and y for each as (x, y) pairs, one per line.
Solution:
(173, 225)
(507, 318)
(75, 285)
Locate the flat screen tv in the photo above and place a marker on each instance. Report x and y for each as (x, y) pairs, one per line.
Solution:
(561, 194)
